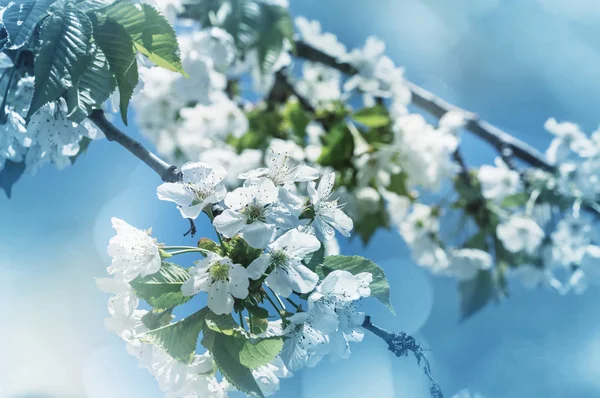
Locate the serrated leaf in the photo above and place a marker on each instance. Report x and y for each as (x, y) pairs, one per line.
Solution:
(162, 289)
(475, 293)
(94, 5)
(380, 288)
(261, 352)
(313, 260)
(226, 354)
(95, 86)
(151, 33)
(21, 18)
(118, 48)
(179, 339)
(374, 117)
(224, 324)
(157, 319)
(65, 41)
(10, 174)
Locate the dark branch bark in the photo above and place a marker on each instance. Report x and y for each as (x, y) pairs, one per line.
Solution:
(167, 172)
(436, 106)
(401, 344)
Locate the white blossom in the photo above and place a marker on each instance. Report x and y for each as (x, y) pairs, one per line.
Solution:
(284, 255)
(466, 263)
(133, 252)
(221, 279)
(201, 186)
(328, 213)
(520, 233)
(498, 182)
(304, 345)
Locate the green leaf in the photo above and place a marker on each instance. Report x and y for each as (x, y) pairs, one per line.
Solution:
(10, 174)
(95, 86)
(517, 200)
(62, 59)
(475, 293)
(223, 324)
(157, 319)
(179, 339)
(477, 241)
(118, 48)
(84, 145)
(261, 352)
(368, 224)
(338, 148)
(240, 252)
(399, 185)
(162, 289)
(21, 18)
(376, 116)
(242, 22)
(380, 288)
(296, 119)
(257, 324)
(94, 5)
(226, 351)
(151, 33)
(313, 260)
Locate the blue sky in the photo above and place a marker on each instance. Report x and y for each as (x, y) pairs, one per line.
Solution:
(515, 63)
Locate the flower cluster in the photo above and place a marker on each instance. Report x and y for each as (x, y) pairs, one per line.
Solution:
(270, 262)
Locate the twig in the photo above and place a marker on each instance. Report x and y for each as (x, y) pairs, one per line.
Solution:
(192, 231)
(433, 104)
(401, 344)
(167, 172)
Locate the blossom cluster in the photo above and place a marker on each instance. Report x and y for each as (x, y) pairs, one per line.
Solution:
(283, 230)
(49, 136)
(396, 161)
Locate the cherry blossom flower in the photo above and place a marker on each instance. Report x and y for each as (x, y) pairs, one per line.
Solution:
(328, 213)
(202, 185)
(520, 233)
(221, 279)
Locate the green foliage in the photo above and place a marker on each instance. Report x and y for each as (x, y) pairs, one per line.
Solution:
(151, 33)
(157, 318)
(475, 293)
(338, 148)
(253, 24)
(240, 252)
(257, 324)
(226, 352)
(399, 185)
(370, 222)
(209, 245)
(162, 289)
(179, 339)
(260, 353)
(223, 324)
(94, 5)
(95, 86)
(376, 116)
(517, 200)
(296, 119)
(62, 59)
(380, 288)
(313, 260)
(118, 48)
(21, 18)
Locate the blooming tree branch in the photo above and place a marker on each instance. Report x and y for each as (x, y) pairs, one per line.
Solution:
(438, 107)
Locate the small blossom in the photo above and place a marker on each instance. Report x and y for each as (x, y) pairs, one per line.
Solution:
(466, 263)
(498, 182)
(283, 170)
(202, 185)
(520, 233)
(133, 252)
(221, 279)
(284, 256)
(328, 213)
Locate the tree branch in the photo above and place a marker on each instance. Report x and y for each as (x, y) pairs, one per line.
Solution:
(167, 172)
(401, 344)
(436, 106)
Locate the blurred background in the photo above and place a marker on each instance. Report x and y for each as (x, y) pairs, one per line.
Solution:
(516, 63)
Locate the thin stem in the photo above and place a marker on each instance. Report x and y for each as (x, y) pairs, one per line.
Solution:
(167, 172)
(211, 216)
(277, 298)
(296, 306)
(194, 250)
(401, 344)
(242, 320)
(178, 247)
(274, 305)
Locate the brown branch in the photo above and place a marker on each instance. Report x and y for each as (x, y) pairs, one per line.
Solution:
(167, 172)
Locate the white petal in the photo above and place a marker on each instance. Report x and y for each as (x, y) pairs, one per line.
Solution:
(174, 192)
(258, 234)
(238, 281)
(229, 223)
(257, 268)
(219, 300)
